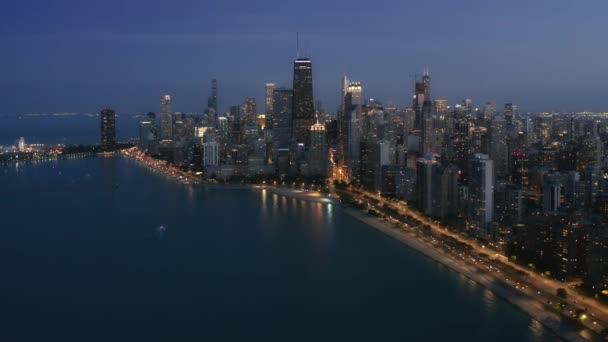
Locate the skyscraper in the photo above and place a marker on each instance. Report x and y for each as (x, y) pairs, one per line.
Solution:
(418, 103)
(269, 98)
(212, 102)
(211, 154)
(440, 106)
(319, 155)
(349, 121)
(166, 119)
(282, 118)
(499, 152)
(481, 195)
(21, 144)
(108, 129)
(510, 117)
(146, 134)
(423, 108)
(249, 112)
(552, 192)
(343, 94)
(486, 114)
(425, 169)
(303, 103)
(235, 112)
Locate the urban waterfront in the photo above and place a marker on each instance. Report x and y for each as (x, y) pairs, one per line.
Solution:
(55, 129)
(104, 249)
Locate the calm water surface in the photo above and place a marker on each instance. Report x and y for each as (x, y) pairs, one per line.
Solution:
(78, 129)
(83, 259)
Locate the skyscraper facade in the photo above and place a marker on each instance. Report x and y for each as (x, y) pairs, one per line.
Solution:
(108, 129)
(499, 152)
(510, 113)
(211, 154)
(423, 107)
(425, 169)
(269, 98)
(212, 103)
(481, 195)
(319, 155)
(303, 102)
(282, 118)
(166, 119)
(353, 105)
(440, 106)
(249, 112)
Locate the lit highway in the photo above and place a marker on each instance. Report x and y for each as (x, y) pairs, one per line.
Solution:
(538, 292)
(162, 167)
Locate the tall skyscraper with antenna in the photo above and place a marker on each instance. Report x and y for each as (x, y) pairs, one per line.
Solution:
(303, 102)
(423, 107)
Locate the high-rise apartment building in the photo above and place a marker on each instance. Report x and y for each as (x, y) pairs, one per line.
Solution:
(166, 119)
(282, 117)
(108, 129)
(499, 151)
(318, 151)
(481, 195)
(269, 98)
(212, 103)
(249, 112)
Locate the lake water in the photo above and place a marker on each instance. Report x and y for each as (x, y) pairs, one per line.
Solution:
(83, 259)
(76, 129)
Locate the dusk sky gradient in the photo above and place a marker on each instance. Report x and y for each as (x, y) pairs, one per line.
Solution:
(80, 56)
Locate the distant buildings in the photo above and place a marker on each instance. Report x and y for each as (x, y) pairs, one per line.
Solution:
(249, 111)
(21, 144)
(533, 186)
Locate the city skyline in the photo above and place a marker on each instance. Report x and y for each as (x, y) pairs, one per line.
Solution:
(238, 149)
(476, 51)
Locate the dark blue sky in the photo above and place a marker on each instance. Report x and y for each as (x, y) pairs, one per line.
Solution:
(79, 56)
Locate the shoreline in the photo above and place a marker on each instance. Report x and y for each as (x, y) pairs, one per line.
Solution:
(304, 195)
(534, 309)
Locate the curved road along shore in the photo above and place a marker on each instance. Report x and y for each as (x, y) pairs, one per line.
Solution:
(541, 283)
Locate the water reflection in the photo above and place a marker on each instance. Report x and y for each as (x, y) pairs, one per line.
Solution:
(537, 329)
(489, 301)
(275, 204)
(283, 204)
(190, 192)
(256, 256)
